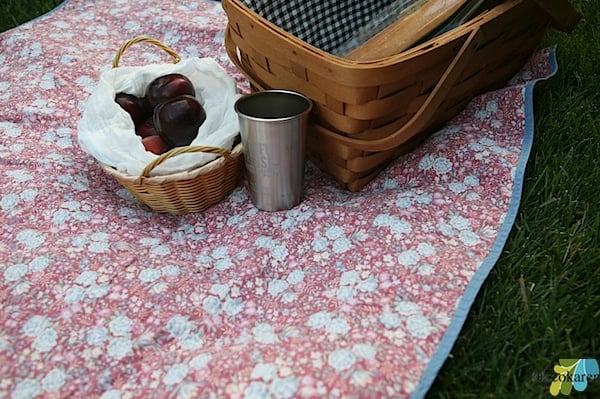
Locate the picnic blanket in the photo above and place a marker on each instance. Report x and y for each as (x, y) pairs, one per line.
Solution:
(345, 295)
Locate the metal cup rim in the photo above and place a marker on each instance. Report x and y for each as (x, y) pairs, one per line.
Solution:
(266, 92)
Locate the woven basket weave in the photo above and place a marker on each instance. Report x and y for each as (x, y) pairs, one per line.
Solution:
(367, 113)
(189, 191)
(184, 192)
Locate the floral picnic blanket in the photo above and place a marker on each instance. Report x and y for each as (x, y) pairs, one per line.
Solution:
(346, 295)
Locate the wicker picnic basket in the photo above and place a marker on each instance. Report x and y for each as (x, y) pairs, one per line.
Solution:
(367, 113)
(188, 191)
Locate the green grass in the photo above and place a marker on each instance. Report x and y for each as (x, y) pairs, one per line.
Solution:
(15, 12)
(513, 335)
(541, 301)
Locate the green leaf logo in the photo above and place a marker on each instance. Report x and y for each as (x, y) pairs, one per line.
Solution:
(573, 374)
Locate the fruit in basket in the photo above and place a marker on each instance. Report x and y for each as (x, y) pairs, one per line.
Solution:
(168, 109)
(146, 129)
(177, 120)
(166, 87)
(155, 144)
(134, 106)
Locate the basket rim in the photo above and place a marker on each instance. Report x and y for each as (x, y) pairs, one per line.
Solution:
(219, 162)
(308, 49)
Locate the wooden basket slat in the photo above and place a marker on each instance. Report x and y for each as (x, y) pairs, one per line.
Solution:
(282, 48)
(369, 161)
(337, 121)
(339, 153)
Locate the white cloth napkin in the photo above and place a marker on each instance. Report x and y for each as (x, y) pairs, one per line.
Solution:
(107, 133)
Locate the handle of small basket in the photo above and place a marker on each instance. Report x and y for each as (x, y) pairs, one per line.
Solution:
(145, 39)
(182, 150)
(423, 116)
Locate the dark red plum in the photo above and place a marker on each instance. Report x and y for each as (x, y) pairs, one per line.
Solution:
(177, 120)
(134, 106)
(155, 145)
(166, 87)
(146, 129)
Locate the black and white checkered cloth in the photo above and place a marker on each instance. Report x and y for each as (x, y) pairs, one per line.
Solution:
(325, 24)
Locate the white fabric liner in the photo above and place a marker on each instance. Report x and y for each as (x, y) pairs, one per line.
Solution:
(107, 132)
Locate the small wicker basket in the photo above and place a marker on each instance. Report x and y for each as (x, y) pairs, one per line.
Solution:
(188, 191)
(367, 113)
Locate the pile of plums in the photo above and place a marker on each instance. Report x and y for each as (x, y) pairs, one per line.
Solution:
(168, 115)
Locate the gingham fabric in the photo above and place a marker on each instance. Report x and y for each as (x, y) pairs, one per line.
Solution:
(325, 24)
(380, 21)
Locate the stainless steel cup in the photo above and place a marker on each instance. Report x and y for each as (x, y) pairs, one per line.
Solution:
(273, 127)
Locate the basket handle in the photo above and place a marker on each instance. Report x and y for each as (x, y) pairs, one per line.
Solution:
(181, 150)
(419, 120)
(424, 115)
(145, 39)
(231, 49)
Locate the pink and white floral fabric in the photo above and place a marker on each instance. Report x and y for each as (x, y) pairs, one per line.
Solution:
(346, 295)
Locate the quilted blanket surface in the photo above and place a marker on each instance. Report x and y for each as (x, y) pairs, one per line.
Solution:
(345, 295)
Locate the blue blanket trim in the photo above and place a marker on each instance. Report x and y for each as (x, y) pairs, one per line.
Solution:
(474, 286)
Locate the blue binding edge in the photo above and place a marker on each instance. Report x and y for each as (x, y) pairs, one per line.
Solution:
(470, 294)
